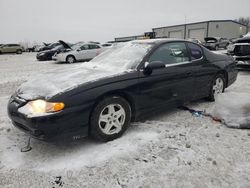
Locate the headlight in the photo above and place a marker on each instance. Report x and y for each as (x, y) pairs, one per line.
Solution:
(41, 106)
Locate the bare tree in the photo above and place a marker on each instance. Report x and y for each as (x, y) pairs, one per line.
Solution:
(244, 20)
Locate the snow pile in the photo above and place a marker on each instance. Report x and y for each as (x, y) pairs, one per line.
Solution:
(234, 109)
(247, 35)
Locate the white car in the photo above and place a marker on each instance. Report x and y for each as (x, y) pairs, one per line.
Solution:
(79, 52)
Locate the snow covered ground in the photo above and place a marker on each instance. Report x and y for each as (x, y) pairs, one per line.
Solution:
(172, 149)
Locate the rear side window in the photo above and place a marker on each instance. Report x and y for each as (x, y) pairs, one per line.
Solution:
(195, 51)
(84, 47)
(92, 46)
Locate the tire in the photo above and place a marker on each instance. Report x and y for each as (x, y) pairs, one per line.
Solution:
(70, 59)
(110, 118)
(216, 48)
(216, 88)
(19, 51)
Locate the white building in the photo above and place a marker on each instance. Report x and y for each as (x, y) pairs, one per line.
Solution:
(199, 30)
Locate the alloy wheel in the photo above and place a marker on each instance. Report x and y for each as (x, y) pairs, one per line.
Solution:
(112, 119)
(70, 59)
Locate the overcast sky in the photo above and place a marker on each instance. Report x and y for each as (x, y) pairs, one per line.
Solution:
(103, 20)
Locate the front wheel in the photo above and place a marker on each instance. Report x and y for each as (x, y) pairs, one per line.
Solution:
(70, 59)
(110, 118)
(217, 87)
(19, 51)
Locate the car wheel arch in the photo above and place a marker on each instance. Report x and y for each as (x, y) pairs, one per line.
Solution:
(70, 55)
(225, 74)
(118, 93)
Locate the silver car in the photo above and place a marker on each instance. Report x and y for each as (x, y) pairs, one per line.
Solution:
(79, 52)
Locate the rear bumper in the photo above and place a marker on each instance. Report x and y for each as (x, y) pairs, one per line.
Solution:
(72, 122)
(244, 65)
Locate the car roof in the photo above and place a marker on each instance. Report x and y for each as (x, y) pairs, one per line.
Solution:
(158, 41)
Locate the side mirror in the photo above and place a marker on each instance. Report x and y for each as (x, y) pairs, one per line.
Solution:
(149, 67)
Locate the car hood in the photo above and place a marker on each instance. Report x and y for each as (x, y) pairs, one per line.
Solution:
(65, 45)
(53, 83)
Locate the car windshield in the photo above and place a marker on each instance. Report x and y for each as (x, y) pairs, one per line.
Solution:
(58, 47)
(122, 56)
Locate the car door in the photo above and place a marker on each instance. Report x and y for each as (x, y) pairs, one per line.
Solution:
(222, 43)
(12, 48)
(6, 48)
(83, 52)
(171, 85)
(202, 70)
(94, 50)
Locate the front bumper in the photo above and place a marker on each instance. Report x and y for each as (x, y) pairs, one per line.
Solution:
(42, 57)
(71, 122)
(59, 58)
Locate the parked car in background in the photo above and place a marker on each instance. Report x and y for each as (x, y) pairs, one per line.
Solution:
(240, 50)
(107, 45)
(80, 52)
(214, 43)
(48, 46)
(48, 54)
(33, 48)
(103, 96)
(11, 48)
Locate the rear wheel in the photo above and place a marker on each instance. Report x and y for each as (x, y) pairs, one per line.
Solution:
(110, 118)
(217, 87)
(70, 59)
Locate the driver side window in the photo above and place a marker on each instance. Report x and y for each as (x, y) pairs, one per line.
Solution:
(84, 47)
(170, 53)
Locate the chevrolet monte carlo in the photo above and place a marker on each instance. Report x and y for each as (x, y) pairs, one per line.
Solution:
(129, 81)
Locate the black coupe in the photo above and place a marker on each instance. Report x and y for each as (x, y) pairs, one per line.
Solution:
(126, 82)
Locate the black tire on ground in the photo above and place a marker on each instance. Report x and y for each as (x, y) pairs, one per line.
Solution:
(19, 51)
(211, 96)
(70, 59)
(97, 127)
